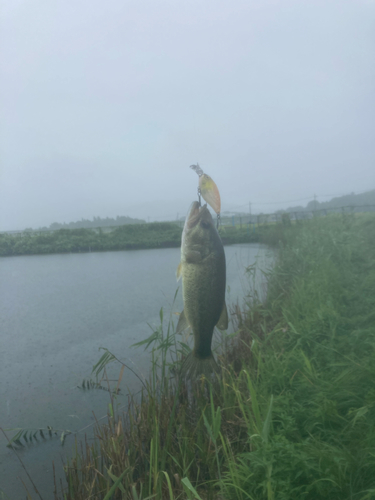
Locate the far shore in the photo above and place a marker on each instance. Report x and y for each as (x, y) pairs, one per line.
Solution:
(127, 237)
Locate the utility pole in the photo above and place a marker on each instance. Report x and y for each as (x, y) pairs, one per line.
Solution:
(315, 202)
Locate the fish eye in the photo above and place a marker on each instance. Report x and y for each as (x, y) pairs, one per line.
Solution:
(205, 224)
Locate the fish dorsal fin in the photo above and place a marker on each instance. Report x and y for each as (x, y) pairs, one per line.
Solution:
(222, 324)
(179, 270)
(182, 324)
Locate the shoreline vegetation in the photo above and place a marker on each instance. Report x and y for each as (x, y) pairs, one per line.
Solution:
(126, 237)
(294, 416)
(126, 233)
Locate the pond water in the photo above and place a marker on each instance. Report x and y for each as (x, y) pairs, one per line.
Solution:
(56, 311)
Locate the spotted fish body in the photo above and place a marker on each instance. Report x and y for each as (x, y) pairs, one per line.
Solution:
(203, 274)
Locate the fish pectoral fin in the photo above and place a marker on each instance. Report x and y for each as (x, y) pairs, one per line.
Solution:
(179, 271)
(182, 324)
(222, 324)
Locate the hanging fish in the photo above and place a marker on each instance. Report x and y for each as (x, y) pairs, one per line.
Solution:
(203, 273)
(208, 189)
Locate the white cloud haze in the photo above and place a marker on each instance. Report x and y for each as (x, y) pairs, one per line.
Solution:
(106, 104)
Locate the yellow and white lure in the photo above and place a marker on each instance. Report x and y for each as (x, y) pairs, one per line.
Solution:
(208, 189)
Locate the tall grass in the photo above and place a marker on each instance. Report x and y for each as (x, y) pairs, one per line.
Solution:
(295, 414)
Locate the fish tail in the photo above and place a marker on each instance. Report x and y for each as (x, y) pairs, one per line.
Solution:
(193, 368)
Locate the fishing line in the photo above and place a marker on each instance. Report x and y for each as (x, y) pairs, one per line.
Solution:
(195, 134)
(210, 193)
(199, 171)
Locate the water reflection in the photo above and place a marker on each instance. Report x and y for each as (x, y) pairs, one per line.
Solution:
(56, 311)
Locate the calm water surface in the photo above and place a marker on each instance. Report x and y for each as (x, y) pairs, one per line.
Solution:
(56, 311)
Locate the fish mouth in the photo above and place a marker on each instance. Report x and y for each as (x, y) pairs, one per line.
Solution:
(198, 213)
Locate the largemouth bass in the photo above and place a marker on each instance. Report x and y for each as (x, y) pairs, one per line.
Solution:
(203, 273)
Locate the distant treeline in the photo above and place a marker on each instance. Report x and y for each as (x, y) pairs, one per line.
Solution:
(127, 237)
(358, 201)
(364, 202)
(268, 230)
(120, 220)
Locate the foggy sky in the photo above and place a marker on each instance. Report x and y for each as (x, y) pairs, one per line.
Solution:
(104, 105)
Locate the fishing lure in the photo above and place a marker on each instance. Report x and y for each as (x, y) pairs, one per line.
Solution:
(208, 189)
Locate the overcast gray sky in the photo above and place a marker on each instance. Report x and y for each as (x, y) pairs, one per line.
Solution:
(105, 104)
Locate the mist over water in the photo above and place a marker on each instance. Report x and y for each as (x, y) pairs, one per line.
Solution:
(55, 313)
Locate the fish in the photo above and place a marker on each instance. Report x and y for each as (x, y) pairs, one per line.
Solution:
(208, 189)
(203, 272)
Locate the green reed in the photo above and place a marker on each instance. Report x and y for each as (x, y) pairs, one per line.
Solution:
(294, 417)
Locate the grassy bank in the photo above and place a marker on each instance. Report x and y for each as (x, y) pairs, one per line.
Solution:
(295, 415)
(127, 237)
